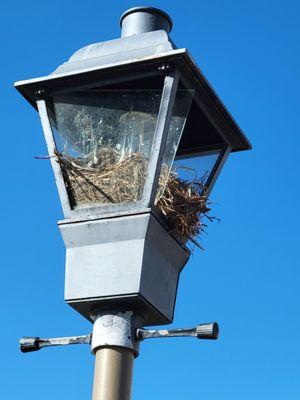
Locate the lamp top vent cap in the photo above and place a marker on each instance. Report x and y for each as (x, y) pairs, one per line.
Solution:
(138, 20)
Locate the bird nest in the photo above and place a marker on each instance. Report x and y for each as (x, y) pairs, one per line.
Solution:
(183, 205)
(109, 180)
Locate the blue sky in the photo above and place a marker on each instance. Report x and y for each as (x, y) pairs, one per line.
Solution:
(248, 276)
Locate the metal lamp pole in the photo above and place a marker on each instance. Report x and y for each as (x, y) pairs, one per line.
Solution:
(115, 346)
(123, 261)
(113, 373)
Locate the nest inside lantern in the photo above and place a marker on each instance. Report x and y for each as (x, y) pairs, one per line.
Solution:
(112, 179)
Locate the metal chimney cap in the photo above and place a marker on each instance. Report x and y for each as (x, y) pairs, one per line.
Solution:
(147, 19)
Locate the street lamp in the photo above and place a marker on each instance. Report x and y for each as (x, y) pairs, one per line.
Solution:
(119, 118)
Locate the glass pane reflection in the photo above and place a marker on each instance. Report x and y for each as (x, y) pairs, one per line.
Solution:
(196, 168)
(180, 113)
(104, 140)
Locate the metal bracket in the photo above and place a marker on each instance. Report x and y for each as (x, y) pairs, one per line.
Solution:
(114, 329)
(28, 344)
(202, 331)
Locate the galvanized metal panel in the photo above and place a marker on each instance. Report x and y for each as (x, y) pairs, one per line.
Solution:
(104, 258)
(117, 50)
(136, 302)
(163, 261)
(128, 256)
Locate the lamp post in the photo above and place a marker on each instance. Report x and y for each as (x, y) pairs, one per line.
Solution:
(117, 117)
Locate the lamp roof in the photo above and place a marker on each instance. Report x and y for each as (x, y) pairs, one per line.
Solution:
(126, 58)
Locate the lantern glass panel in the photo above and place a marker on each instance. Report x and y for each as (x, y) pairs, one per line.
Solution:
(180, 113)
(104, 139)
(197, 168)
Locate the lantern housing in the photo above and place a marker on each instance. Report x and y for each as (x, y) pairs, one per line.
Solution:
(118, 118)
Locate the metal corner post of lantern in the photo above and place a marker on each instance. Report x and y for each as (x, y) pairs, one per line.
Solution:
(120, 118)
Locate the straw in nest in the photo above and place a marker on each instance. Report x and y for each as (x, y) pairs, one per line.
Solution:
(182, 204)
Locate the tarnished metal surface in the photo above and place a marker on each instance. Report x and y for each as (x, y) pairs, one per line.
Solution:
(65, 341)
(28, 87)
(113, 329)
(202, 331)
(139, 20)
(119, 329)
(117, 50)
(28, 344)
(123, 257)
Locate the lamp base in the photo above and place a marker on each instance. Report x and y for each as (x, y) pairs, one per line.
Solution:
(128, 262)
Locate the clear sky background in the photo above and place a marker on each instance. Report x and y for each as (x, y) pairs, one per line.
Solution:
(248, 277)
